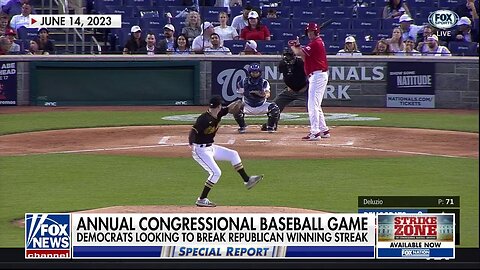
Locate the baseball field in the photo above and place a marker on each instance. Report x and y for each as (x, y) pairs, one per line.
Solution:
(66, 159)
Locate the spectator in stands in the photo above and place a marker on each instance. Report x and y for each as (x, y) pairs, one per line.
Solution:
(44, 43)
(434, 48)
(409, 29)
(272, 14)
(409, 48)
(255, 30)
(228, 3)
(4, 45)
(4, 26)
(203, 40)
(166, 45)
(396, 41)
(13, 48)
(464, 31)
(382, 48)
(33, 49)
(151, 46)
(241, 21)
(226, 32)
(358, 4)
(182, 46)
(423, 34)
(469, 10)
(14, 7)
(216, 48)
(77, 6)
(350, 48)
(135, 42)
(192, 27)
(395, 8)
(250, 48)
(22, 19)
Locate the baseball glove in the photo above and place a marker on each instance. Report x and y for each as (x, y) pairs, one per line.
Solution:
(258, 93)
(235, 107)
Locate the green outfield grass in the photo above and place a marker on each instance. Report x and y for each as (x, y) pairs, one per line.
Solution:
(65, 182)
(24, 122)
(70, 182)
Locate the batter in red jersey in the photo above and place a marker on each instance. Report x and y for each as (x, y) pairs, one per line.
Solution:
(314, 56)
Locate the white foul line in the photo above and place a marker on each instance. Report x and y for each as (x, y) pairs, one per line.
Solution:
(392, 151)
(164, 140)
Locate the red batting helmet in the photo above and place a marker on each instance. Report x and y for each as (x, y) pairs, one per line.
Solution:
(312, 27)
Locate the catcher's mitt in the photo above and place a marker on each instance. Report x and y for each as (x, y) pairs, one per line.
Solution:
(235, 107)
(258, 93)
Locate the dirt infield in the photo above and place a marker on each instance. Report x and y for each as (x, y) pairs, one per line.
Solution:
(171, 141)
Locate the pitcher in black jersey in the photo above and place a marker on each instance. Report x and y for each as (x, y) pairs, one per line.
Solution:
(205, 152)
(295, 80)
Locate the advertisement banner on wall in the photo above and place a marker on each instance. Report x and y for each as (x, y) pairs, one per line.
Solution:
(225, 77)
(8, 83)
(411, 85)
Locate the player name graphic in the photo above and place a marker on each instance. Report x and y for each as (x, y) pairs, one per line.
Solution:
(75, 21)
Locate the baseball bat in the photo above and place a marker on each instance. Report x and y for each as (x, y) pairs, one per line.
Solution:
(321, 26)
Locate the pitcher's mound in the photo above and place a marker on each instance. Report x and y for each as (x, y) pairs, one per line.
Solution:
(195, 209)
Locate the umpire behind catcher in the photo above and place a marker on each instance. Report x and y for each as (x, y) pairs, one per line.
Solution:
(295, 80)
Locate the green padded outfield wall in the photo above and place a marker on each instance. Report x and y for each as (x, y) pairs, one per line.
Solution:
(115, 83)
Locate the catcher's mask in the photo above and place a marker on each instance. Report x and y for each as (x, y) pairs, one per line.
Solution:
(288, 57)
(254, 71)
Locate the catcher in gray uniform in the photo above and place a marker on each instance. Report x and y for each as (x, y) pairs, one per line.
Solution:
(295, 80)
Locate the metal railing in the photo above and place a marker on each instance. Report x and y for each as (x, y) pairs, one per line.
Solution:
(99, 48)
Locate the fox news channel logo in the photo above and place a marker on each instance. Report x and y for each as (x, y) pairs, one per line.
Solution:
(444, 20)
(47, 236)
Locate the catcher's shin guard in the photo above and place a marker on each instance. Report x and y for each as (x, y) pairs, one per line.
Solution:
(240, 119)
(273, 115)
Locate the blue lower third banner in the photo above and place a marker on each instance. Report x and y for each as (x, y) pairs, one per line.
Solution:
(331, 252)
(416, 252)
(117, 252)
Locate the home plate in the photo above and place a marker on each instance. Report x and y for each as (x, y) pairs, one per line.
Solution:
(257, 140)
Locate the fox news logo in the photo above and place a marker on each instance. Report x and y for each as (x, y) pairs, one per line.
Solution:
(47, 236)
(443, 19)
(419, 252)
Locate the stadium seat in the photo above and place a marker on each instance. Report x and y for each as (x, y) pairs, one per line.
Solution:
(463, 48)
(282, 12)
(124, 11)
(298, 25)
(127, 23)
(283, 34)
(389, 24)
(295, 3)
(333, 48)
(366, 47)
(422, 13)
(422, 3)
(270, 46)
(369, 12)
(366, 24)
(380, 3)
(100, 6)
(338, 12)
(280, 23)
(235, 46)
(359, 34)
(138, 3)
(449, 4)
(379, 34)
(338, 23)
(325, 3)
(234, 11)
(212, 12)
(147, 23)
(307, 13)
(168, 3)
(27, 33)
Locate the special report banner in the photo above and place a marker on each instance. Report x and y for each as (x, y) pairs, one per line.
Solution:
(416, 236)
(201, 235)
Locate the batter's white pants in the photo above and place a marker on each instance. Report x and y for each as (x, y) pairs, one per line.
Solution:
(206, 156)
(316, 89)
